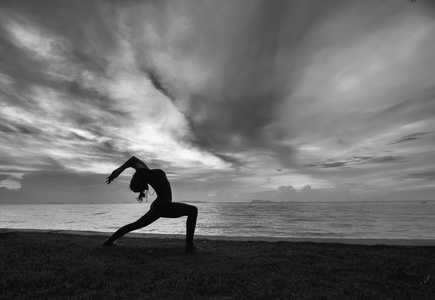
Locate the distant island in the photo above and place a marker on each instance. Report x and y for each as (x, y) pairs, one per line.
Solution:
(185, 201)
(260, 201)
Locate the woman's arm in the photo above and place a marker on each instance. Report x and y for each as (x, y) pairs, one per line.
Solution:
(132, 162)
(139, 164)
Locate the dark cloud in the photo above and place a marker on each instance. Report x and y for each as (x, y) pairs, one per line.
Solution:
(333, 165)
(426, 175)
(411, 137)
(337, 164)
(7, 128)
(19, 129)
(229, 158)
(158, 84)
(386, 159)
(328, 165)
(219, 127)
(358, 160)
(375, 159)
(238, 106)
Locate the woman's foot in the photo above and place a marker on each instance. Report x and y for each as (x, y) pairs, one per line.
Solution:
(192, 249)
(107, 243)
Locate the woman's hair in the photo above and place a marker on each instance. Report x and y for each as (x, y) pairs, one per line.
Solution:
(139, 184)
(141, 196)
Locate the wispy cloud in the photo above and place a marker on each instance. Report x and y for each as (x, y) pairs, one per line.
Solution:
(427, 175)
(411, 137)
(357, 160)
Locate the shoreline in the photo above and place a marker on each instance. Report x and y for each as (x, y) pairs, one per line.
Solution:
(348, 241)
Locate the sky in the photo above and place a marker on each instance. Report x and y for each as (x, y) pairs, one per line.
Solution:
(299, 100)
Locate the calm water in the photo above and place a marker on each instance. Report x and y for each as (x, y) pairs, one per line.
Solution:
(395, 220)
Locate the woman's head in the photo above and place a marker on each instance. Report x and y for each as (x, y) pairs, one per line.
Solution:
(139, 183)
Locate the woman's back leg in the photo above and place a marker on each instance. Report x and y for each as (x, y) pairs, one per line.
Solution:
(145, 220)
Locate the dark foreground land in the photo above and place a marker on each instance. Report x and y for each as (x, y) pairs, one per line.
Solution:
(56, 266)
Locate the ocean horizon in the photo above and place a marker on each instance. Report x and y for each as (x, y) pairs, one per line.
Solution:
(364, 220)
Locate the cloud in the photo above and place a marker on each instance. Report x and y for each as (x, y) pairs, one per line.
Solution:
(159, 85)
(333, 165)
(243, 73)
(111, 98)
(222, 196)
(310, 194)
(416, 106)
(286, 193)
(386, 159)
(11, 180)
(411, 137)
(426, 175)
(357, 160)
(61, 186)
(224, 93)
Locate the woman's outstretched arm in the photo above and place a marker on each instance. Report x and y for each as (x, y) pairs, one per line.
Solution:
(132, 162)
(135, 163)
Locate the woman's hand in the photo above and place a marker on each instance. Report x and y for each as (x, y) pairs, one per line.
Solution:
(112, 176)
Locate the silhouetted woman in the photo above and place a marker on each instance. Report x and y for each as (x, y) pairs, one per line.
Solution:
(162, 206)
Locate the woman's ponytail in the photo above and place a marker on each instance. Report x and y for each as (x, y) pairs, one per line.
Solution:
(142, 195)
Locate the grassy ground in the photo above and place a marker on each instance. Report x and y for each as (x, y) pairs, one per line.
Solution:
(55, 266)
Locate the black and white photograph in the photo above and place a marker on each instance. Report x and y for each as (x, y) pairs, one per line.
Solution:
(217, 149)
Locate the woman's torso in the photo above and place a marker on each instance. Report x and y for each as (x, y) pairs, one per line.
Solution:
(159, 182)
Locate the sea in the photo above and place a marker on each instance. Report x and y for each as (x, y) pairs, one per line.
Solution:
(364, 220)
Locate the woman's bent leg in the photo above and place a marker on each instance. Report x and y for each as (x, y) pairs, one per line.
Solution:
(145, 220)
(176, 210)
